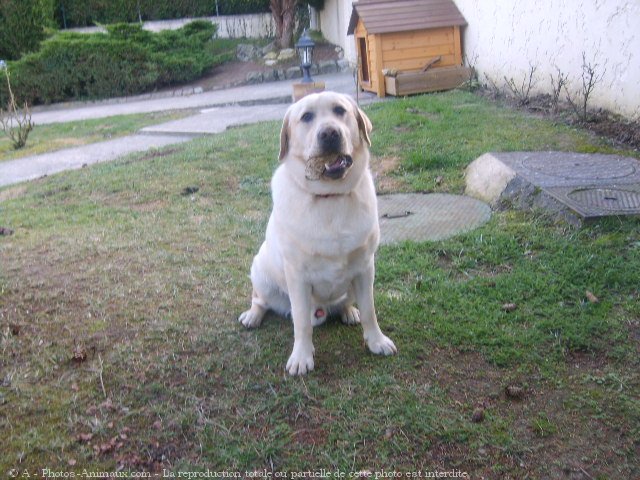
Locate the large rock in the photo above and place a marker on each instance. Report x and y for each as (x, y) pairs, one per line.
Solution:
(286, 54)
(254, 77)
(487, 177)
(293, 72)
(328, 66)
(246, 52)
(270, 47)
(270, 76)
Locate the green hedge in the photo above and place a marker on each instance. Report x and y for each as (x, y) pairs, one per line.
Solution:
(80, 13)
(23, 24)
(126, 60)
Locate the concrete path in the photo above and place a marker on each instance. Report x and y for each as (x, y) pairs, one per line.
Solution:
(247, 95)
(36, 166)
(219, 110)
(218, 119)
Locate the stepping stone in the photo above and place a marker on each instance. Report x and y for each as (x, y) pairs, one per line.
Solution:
(421, 217)
(575, 187)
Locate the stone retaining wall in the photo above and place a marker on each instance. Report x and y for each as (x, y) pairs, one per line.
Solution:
(290, 73)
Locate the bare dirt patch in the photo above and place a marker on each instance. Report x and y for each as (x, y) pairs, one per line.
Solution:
(12, 193)
(234, 73)
(382, 169)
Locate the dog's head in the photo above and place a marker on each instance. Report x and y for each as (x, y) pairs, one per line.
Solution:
(327, 134)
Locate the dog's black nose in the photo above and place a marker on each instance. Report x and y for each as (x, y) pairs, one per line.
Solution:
(330, 139)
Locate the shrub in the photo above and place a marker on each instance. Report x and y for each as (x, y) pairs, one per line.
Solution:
(23, 24)
(15, 124)
(124, 61)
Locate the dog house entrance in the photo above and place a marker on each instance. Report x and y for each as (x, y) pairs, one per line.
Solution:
(364, 63)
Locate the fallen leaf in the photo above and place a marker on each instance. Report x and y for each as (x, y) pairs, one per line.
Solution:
(478, 415)
(85, 437)
(106, 448)
(515, 392)
(79, 354)
(591, 297)
(189, 191)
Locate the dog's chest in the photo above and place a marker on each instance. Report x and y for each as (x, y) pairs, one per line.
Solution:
(331, 278)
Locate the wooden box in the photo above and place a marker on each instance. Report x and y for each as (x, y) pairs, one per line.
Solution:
(433, 80)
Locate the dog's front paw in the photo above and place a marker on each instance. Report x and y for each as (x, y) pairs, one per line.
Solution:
(350, 315)
(381, 345)
(252, 318)
(301, 361)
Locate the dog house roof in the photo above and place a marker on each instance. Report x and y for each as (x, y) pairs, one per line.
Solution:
(385, 16)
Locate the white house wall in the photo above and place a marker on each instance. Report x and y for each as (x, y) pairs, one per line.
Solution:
(506, 38)
(334, 21)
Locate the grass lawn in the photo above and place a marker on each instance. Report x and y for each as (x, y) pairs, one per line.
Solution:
(120, 348)
(51, 137)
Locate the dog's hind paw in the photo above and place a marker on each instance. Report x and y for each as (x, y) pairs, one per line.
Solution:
(382, 345)
(350, 315)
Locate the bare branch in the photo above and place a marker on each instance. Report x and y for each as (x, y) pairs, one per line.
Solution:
(557, 84)
(590, 78)
(522, 91)
(15, 124)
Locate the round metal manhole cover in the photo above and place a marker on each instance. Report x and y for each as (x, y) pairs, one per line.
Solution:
(585, 167)
(606, 198)
(422, 217)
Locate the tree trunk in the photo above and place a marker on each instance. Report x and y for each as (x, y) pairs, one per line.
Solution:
(284, 15)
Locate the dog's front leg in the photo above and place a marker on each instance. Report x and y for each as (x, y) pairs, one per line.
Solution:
(377, 342)
(301, 359)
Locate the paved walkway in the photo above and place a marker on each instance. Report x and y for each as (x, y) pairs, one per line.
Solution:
(219, 110)
(36, 166)
(247, 95)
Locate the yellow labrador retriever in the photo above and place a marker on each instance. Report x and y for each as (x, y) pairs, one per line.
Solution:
(318, 254)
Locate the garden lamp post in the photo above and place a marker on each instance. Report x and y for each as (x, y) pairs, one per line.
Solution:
(305, 49)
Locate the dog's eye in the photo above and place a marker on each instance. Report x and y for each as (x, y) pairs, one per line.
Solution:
(307, 117)
(340, 111)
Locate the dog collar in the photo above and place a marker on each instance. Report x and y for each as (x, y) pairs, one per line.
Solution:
(330, 195)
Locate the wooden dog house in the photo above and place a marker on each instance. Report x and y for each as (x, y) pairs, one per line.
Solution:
(408, 46)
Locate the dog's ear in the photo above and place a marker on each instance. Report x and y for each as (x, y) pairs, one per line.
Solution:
(364, 124)
(284, 136)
